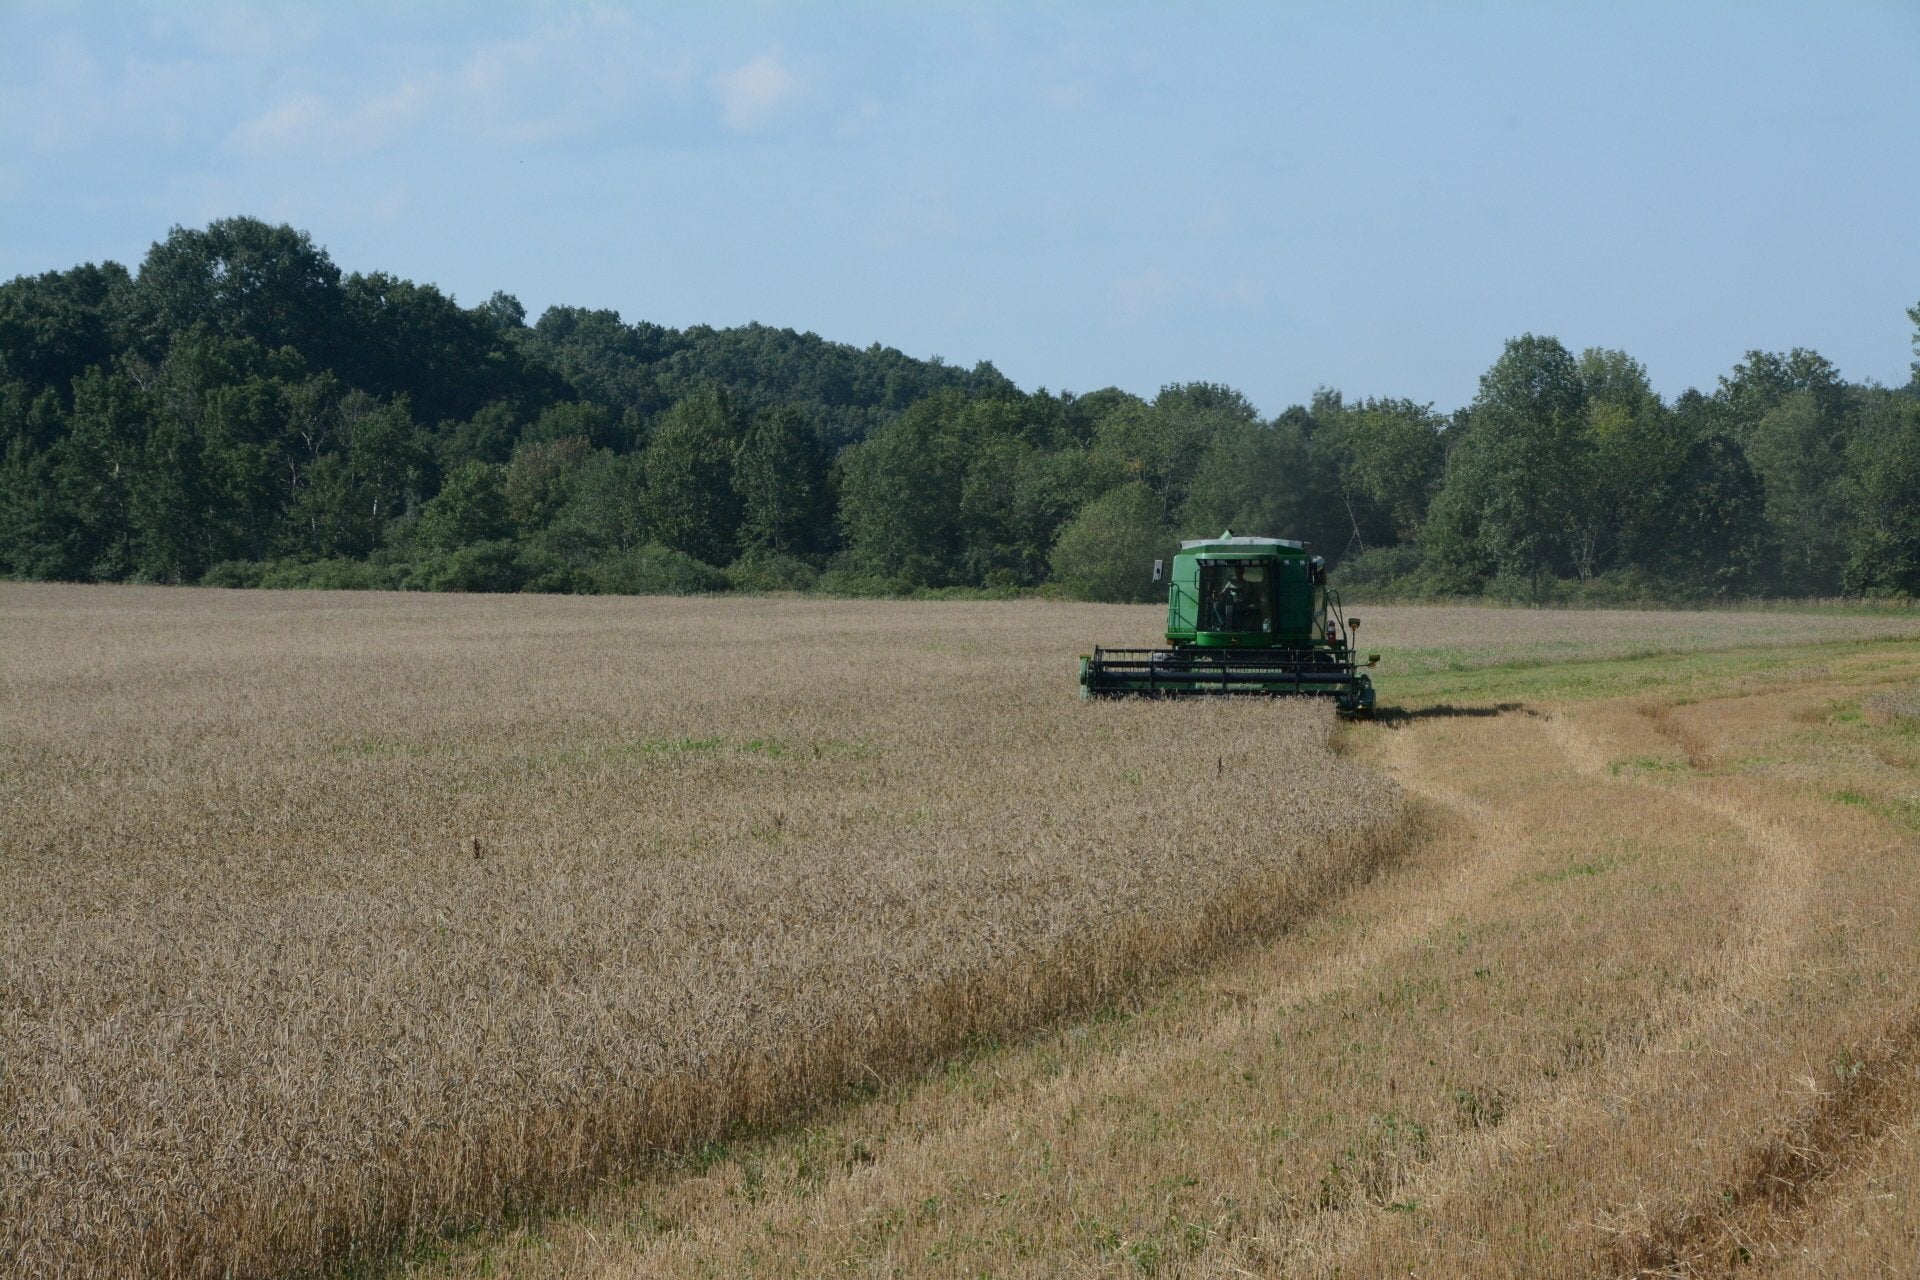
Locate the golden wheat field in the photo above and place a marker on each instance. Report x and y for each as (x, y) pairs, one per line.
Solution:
(331, 919)
(787, 937)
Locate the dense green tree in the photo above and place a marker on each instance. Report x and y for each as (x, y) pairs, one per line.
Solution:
(170, 512)
(644, 369)
(33, 419)
(602, 358)
(349, 497)
(328, 518)
(239, 400)
(1024, 475)
(1883, 551)
(901, 491)
(780, 476)
(1247, 477)
(34, 520)
(1793, 416)
(397, 337)
(1000, 546)
(1713, 512)
(691, 504)
(1081, 416)
(1913, 314)
(605, 512)
(1614, 378)
(1764, 380)
(1458, 559)
(1520, 483)
(1161, 444)
(1395, 456)
(967, 491)
(1637, 447)
(503, 313)
(577, 419)
(1322, 499)
(651, 569)
(494, 564)
(1106, 552)
(541, 477)
(470, 508)
(1383, 459)
(488, 436)
(240, 278)
(54, 327)
(1799, 448)
(1017, 501)
(221, 408)
(94, 468)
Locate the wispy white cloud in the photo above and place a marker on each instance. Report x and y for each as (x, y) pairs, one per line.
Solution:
(1243, 293)
(915, 215)
(242, 32)
(751, 94)
(572, 76)
(1139, 294)
(67, 97)
(290, 121)
(567, 77)
(309, 123)
(173, 77)
(1150, 291)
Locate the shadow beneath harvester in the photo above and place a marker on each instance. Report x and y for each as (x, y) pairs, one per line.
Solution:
(1394, 717)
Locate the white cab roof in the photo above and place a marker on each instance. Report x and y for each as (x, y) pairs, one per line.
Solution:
(1229, 540)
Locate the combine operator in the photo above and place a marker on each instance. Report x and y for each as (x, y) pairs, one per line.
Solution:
(1239, 603)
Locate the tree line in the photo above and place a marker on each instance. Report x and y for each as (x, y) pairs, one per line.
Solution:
(239, 412)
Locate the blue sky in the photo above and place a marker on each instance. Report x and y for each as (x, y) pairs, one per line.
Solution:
(1276, 196)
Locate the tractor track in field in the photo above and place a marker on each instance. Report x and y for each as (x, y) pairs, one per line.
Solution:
(1748, 960)
(1776, 1193)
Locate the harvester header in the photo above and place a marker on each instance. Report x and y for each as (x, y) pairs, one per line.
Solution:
(1246, 617)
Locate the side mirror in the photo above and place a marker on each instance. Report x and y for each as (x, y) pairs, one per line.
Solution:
(1157, 571)
(1353, 624)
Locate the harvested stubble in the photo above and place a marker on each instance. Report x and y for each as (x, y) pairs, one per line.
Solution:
(1426, 639)
(1900, 705)
(331, 919)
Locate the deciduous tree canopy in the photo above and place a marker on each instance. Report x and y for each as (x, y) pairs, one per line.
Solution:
(239, 412)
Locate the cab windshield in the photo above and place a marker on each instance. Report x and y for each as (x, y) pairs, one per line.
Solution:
(1235, 597)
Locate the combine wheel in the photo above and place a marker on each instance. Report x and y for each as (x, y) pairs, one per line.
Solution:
(1357, 702)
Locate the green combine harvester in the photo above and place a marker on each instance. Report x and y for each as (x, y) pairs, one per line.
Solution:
(1246, 617)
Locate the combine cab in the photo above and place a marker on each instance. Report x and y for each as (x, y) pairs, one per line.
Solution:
(1245, 617)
